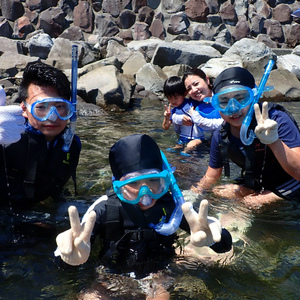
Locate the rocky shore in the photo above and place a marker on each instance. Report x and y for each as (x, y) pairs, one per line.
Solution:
(127, 48)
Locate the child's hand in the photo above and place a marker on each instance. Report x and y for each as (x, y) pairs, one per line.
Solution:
(266, 129)
(205, 230)
(74, 244)
(167, 112)
(186, 120)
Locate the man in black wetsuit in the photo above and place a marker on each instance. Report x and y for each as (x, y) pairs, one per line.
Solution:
(33, 165)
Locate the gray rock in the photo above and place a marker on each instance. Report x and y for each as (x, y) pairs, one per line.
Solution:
(8, 45)
(114, 7)
(105, 86)
(126, 19)
(117, 50)
(290, 62)
(215, 66)
(12, 9)
(146, 47)
(40, 45)
(73, 33)
(192, 54)
(52, 21)
(140, 31)
(197, 10)
(151, 77)
(254, 55)
(175, 70)
(134, 63)
(282, 13)
(286, 86)
(179, 23)
(5, 28)
(12, 63)
(173, 6)
(84, 16)
(157, 27)
(105, 25)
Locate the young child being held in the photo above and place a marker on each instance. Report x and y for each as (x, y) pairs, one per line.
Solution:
(186, 120)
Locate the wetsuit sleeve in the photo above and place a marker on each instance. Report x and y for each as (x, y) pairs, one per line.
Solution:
(99, 206)
(215, 157)
(177, 119)
(225, 244)
(206, 123)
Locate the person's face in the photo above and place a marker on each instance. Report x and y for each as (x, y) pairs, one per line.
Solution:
(197, 88)
(176, 100)
(133, 189)
(50, 129)
(237, 118)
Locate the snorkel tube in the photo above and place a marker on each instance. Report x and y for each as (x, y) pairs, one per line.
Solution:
(245, 125)
(69, 134)
(175, 219)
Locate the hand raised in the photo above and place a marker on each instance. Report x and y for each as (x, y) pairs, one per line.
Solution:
(266, 129)
(205, 230)
(74, 244)
(11, 121)
(167, 112)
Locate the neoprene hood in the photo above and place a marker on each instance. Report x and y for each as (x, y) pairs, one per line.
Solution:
(233, 76)
(134, 153)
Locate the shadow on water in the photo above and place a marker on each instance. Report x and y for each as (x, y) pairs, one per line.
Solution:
(264, 263)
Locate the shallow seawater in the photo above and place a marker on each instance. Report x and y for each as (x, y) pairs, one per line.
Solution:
(264, 263)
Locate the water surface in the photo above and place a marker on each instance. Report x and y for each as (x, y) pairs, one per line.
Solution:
(265, 263)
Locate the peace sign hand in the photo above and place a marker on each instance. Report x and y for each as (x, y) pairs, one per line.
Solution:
(266, 129)
(205, 230)
(74, 244)
(167, 112)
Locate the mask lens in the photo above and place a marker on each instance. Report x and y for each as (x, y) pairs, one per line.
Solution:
(42, 109)
(132, 190)
(240, 95)
(135, 185)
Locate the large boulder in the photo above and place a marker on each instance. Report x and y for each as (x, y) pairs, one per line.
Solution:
(12, 63)
(286, 86)
(61, 53)
(254, 55)
(40, 45)
(105, 86)
(193, 53)
(290, 62)
(151, 77)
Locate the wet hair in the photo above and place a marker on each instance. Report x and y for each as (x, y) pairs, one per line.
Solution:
(233, 76)
(198, 72)
(45, 75)
(134, 153)
(174, 86)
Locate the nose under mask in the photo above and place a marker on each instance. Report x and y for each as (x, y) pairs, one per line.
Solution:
(233, 106)
(146, 200)
(52, 115)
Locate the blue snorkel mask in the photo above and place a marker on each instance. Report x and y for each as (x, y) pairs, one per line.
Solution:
(231, 99)
(152, 184)
(142, 186)
(50, 109)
